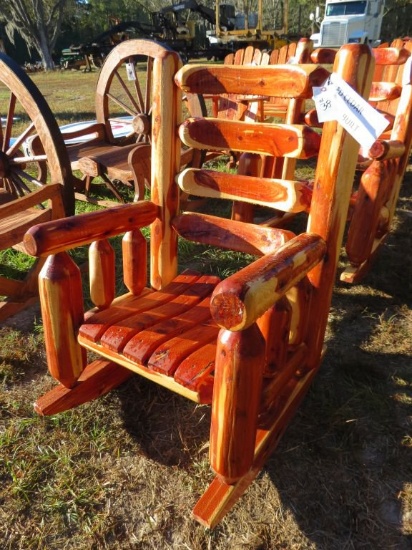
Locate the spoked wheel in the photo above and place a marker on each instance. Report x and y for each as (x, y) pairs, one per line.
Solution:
(32, 150)
(125, 87)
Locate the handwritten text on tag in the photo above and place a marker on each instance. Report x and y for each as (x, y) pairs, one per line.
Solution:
(336, 100)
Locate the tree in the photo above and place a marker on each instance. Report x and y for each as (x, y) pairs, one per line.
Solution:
(37, 21)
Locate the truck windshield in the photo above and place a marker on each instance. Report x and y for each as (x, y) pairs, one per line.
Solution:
(346, 8)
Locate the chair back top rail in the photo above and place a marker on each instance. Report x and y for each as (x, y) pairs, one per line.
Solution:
(289, 81)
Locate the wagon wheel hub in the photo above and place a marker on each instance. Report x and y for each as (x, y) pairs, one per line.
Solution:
(4, 165)
(142, 124)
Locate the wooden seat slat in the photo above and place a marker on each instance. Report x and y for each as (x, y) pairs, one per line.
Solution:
(170, 355)
(170, 305)
(86, 149)
(97, 321)
(166, 381)
(96, 324)
(13, 228)
(196, 372)
(143, 344)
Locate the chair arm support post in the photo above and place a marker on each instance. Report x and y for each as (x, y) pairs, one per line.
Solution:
(236, 399)
(134, 250)
(61, 300)
(102, 277)
(59, 235)
(242, 298)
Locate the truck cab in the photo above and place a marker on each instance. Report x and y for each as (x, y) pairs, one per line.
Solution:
(346, 21)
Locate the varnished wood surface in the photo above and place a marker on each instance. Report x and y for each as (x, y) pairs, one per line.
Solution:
(66, 233)
(292, 81)
(288, 196)
(171, 333)
(242, 298)
(270, 139)
(378, 192)
(61, 299)
(229, 234)
(98, 378)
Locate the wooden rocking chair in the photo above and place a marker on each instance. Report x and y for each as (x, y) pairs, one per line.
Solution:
(376, 198)
(373, 202)
(250, 344)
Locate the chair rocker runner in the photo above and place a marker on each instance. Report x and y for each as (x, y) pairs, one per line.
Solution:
(250, 344)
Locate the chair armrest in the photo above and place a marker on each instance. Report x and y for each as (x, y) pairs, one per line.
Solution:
(48, 192)
(95, 130)
(66, 233)
(242, 298)
(386, 149)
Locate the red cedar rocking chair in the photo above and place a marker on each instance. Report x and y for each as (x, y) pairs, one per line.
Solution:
(250, 344)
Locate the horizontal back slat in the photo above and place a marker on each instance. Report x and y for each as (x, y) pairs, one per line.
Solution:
(384, 91)
(288, 196)
(277, 140)
(289, 81)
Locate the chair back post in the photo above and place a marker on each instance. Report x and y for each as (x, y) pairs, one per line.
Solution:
(332, 188)
(167, 99)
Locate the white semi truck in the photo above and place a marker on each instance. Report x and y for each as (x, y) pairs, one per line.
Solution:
(346, 21)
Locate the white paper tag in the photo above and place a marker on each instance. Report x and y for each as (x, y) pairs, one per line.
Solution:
(407, 72)
(131, 74)
(324, 98)
(336, 100)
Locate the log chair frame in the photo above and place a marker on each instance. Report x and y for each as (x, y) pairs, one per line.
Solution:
(269, 318)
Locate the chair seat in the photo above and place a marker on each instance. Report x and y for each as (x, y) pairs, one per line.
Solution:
(167, 336)
(112, 160)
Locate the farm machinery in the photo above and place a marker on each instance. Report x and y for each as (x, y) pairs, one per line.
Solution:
(188, 27)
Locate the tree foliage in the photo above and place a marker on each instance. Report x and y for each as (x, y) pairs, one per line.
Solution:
(37, 21)
(43, 22)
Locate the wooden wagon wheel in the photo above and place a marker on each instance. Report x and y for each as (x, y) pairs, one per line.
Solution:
(32, 150)
(125, 86)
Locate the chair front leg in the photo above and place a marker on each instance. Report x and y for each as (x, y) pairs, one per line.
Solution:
(236, 398)
(61, 299)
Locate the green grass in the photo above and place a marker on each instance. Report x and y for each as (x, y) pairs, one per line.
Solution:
(124, 471)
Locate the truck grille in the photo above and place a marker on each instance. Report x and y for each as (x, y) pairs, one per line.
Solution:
(333, 34)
